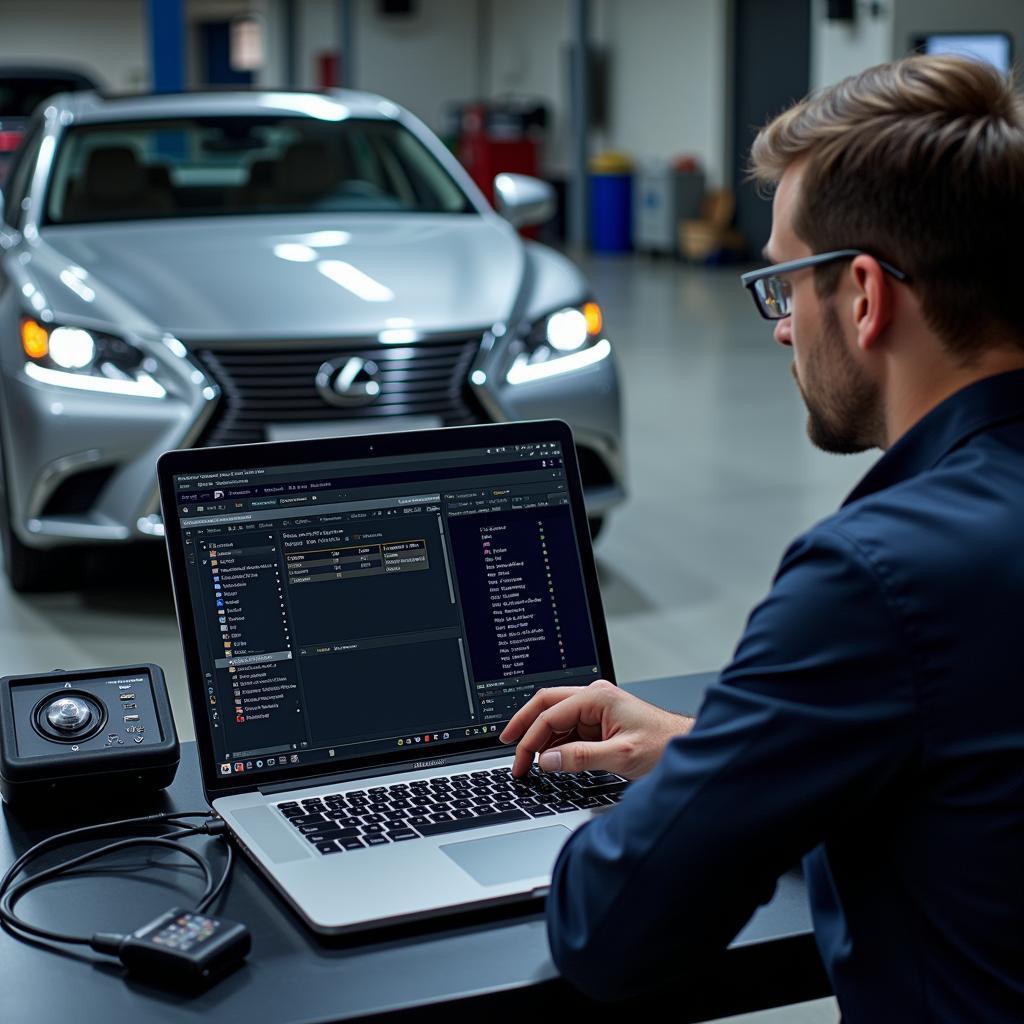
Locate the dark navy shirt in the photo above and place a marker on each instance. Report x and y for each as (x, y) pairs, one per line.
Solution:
(872, 723)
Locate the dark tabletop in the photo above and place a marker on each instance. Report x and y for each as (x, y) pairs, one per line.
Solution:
(484, 962)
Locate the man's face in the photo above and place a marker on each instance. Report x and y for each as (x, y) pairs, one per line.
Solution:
(844, 407)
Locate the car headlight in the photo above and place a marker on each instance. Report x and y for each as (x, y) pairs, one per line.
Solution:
(567, 339)
(73, 357)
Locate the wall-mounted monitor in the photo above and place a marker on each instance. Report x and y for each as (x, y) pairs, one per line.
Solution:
(995, 48)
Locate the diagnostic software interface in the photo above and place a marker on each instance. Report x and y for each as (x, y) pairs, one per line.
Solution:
(347, 609)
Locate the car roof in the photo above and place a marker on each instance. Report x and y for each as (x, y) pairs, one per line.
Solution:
(73, 75)
(337, 104)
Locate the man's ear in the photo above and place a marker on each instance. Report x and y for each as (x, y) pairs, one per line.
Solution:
(872, 301)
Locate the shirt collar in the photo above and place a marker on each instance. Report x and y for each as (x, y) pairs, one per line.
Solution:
(977, 407)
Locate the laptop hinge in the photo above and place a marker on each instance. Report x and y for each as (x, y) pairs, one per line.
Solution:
(382, 769)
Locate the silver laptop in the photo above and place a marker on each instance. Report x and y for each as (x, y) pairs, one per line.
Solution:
(360, 618)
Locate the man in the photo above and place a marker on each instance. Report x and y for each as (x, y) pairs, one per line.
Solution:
(872, 719)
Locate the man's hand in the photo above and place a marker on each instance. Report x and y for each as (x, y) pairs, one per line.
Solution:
(597, 726)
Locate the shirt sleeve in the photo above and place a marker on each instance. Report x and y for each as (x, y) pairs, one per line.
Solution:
(810, 721)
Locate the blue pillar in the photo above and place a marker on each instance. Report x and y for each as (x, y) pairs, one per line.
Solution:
(167, 44)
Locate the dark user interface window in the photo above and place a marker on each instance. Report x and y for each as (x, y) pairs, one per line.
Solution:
(353, 609)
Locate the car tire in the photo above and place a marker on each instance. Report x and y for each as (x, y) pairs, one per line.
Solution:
(596, 525)
(29, 570)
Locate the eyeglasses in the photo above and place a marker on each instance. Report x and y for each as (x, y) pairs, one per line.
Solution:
(773, 295)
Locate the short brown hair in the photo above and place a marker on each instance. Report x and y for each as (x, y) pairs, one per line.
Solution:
(920, 162)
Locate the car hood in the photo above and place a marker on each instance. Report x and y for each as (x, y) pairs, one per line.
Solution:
(285, 277)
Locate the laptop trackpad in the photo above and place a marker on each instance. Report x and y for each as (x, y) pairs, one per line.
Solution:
(508, 858)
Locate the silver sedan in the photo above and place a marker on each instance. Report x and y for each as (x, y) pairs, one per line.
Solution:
(214, 269)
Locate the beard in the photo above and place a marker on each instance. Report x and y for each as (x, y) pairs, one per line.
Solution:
(844, 407)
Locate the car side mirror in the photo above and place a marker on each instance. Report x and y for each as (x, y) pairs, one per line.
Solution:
(524, 201)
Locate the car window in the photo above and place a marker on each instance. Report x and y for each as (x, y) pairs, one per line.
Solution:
(209, 166)
(20, 178)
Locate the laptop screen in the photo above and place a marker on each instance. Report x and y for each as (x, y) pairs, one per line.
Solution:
(398, 605)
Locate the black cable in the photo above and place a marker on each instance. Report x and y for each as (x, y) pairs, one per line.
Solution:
(15, 893)
(209, 900)
(151, 819)
(10, 893)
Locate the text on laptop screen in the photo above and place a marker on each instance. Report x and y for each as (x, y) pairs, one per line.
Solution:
(350, 609)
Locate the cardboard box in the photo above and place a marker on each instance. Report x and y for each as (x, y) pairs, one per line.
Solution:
(711, 235)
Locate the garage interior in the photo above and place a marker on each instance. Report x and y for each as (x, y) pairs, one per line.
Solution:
(719, 473)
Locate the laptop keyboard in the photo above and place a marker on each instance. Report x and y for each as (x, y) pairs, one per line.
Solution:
(363, 818)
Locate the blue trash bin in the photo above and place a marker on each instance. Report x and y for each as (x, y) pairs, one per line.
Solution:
(611, 212)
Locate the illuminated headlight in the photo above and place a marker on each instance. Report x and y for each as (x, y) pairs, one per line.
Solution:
(568, 339)
(72, 348)
(72, 357)
(567, 330)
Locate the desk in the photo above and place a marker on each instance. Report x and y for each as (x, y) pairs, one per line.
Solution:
(485, 965)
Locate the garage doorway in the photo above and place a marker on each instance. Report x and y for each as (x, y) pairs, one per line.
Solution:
(215, 56)
(772, 67)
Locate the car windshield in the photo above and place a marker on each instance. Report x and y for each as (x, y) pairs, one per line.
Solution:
(217, 166)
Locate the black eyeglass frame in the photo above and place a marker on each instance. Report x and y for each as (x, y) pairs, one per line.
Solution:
(751, 278)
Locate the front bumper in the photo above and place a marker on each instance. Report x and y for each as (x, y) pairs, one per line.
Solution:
(588, 399)
(81, 466)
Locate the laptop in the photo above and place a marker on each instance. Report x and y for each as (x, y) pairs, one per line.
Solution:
(360, 618)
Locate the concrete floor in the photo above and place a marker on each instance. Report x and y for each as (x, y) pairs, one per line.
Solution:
(721, 478)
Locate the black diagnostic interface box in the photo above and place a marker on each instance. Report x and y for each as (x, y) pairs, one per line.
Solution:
(184, 948)
(73, 733)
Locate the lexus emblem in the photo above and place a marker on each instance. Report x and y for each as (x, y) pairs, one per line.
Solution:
(348, 381)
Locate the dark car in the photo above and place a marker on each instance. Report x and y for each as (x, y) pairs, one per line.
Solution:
(22, 89)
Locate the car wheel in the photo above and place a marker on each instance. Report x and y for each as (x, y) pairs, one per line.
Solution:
(29, 570)
(596, 524)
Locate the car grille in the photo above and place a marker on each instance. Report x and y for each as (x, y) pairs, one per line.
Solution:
(271, 384)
